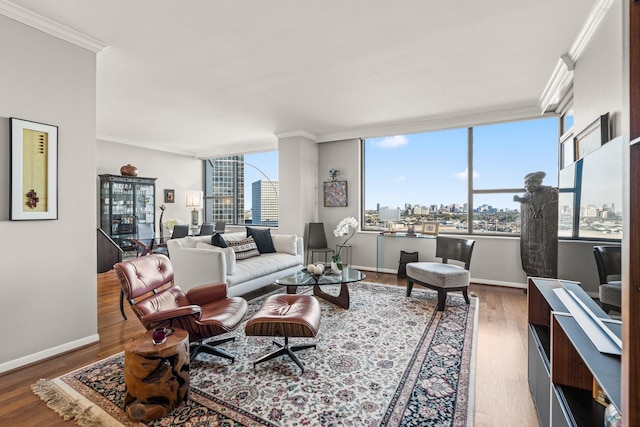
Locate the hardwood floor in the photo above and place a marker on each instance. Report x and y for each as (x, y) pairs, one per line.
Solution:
(502, 395)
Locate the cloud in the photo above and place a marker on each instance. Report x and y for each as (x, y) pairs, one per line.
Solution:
(400, 179)
(463, 175)
(393, 141)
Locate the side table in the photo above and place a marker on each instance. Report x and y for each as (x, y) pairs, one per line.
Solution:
(156, 376)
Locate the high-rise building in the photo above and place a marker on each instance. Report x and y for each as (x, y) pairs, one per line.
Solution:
(224, 189)
(264, 202)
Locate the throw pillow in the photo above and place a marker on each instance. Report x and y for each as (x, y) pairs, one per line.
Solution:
(262, 238)
(217, 240)
(244, 248)
(285, 243)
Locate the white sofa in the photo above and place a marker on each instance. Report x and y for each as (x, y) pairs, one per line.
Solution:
(195, 262)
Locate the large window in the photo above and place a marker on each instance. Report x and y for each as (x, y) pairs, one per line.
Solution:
(242, 189)
(417, 178)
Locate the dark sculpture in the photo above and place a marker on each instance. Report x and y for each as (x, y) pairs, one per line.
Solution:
(539, 227)
(160, 226)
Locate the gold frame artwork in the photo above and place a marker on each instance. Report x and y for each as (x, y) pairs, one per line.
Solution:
(34, 170)
(430, 228)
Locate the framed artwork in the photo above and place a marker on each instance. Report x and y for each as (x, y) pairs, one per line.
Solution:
(34, 170)
(596, 134)
(430, 228)
(169, 196)
(335, 193)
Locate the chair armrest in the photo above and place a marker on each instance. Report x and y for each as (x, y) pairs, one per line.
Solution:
(187, 310)
(205, 294)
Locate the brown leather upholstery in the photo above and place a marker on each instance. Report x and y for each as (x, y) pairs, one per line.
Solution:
(204, 311)
(286, 316)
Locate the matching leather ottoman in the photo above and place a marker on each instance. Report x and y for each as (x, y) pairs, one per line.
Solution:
(288, 316)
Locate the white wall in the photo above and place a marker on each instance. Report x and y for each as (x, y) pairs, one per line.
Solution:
(49, 297)
(345, 157)
(298, 172)
(597, 82)
(172, 171)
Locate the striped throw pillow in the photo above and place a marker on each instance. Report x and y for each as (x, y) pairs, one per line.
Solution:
(245, 248)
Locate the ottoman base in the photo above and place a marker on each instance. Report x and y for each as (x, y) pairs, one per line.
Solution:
(285, 350)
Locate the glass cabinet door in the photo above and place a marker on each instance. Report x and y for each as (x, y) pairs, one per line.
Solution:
(125, 202)
(122, 217)
(105, 206)
(145, 203)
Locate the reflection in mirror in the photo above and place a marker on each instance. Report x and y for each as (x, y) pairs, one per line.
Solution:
(591, 195)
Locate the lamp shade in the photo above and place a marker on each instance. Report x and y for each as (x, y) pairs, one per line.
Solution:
(194, 199)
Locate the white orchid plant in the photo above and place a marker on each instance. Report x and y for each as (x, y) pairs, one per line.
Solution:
(342, 230)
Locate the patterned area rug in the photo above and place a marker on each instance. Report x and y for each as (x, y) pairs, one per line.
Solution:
(387, 361)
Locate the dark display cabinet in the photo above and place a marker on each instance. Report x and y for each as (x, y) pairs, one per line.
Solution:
(126, 202)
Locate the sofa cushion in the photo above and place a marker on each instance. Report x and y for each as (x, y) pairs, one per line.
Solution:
(245, 248)
(192, 241)
(285, 243)
(261, 266)
(262, 237)
(217, 240)
(229, 255)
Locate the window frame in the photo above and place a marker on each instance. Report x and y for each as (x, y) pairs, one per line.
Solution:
(471, 190)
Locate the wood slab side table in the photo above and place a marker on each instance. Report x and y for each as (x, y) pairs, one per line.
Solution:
(156, 376)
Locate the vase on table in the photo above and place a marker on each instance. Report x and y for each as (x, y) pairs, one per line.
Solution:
(336, 267)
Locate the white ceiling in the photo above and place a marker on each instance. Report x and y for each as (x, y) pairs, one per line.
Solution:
(206, 77)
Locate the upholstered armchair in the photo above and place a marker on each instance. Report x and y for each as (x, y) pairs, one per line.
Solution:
(609, 263)
(444, 277)
(204, 311)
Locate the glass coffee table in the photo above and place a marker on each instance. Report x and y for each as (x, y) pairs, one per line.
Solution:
(304, 278)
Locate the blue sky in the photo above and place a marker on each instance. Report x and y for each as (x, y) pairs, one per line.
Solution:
(431, 168)
(267, 162)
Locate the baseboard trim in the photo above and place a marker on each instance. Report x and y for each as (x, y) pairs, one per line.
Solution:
(499, 283)
(48, 353)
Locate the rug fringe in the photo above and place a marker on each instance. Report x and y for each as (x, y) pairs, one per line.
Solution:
(63, 405)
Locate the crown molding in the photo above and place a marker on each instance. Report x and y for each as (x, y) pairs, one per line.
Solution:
(220, 151)
(298, 132)
(561, 79)
(48, 26)
(239, 149)
(477, 118)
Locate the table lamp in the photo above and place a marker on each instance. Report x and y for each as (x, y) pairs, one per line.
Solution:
(194, 200)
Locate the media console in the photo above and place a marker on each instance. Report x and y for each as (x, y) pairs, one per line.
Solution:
(566, 370)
